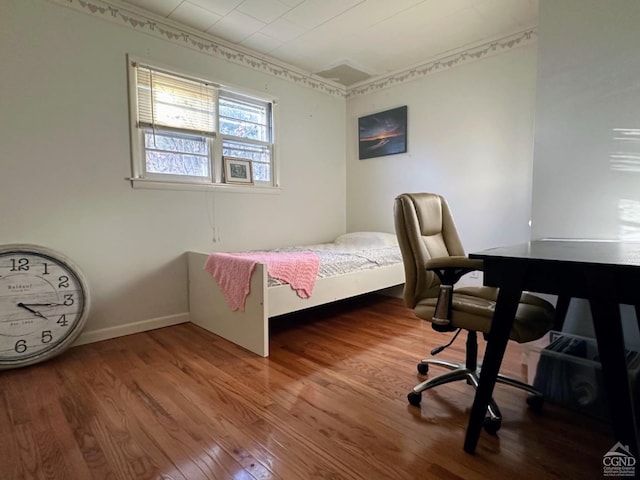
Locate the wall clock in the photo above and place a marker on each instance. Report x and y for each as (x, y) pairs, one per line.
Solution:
(44, 303)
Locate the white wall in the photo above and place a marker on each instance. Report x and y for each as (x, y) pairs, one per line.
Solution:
(588, 86)
(64, 157)
(470, 136)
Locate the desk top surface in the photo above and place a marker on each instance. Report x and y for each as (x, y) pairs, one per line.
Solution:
(575, 251)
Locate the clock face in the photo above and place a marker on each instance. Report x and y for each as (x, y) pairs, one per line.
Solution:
(43, 305)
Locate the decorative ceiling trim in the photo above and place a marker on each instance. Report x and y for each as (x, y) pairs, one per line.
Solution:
(167, 30)
(467, 55)
(132, 17)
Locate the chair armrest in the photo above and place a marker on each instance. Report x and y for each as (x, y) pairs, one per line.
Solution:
(455, 262)
(449, 271)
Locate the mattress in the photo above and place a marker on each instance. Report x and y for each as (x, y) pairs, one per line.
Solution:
(350, 253)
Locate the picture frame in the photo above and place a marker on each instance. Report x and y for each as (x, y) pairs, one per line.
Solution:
(383, 133)
(238, 171)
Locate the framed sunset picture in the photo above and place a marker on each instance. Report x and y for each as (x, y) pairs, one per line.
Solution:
(383, 133)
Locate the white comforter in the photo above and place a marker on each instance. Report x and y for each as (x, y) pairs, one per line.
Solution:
(352, 252)
(338, 260)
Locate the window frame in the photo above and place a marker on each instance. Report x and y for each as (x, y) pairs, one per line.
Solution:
(140, 178)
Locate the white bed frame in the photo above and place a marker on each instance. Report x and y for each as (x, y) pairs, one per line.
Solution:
(250, 329)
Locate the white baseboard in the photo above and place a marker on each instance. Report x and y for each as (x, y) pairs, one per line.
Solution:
(130, 328)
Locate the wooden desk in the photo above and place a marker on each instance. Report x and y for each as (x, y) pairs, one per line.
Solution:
(605, 273)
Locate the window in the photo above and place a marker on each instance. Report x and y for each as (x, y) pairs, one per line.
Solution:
(182, 128)
(245, 127)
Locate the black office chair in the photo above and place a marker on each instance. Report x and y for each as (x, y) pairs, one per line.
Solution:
(434, 260)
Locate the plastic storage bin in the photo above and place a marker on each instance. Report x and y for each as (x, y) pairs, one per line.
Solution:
(569, 374)
(531, 354)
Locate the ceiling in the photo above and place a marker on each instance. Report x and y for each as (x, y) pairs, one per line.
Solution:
(349, 41)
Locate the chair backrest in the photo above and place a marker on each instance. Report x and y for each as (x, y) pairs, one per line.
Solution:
(425, 229)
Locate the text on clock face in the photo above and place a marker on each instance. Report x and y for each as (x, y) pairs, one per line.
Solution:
(20, 287)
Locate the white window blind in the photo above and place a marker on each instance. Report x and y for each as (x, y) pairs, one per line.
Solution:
(171, 102)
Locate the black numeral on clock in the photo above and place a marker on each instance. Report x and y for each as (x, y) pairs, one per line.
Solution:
(64, 282)
(46, 268)
(21, 346)
(21, 264)
(46, 336)
(62, 321)
(68, 299)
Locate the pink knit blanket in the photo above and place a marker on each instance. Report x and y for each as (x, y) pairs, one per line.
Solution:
(233, 272)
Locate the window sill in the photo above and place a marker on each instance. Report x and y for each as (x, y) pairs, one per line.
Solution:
(146, 184)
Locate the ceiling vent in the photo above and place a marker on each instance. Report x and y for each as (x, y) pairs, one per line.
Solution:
(344, 74)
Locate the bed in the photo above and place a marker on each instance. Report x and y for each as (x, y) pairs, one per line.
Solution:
(353, 264)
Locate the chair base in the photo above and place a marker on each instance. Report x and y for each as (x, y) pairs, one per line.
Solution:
(460, 372)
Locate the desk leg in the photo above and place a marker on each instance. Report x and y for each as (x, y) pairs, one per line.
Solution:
(608, 328)
(506, 307)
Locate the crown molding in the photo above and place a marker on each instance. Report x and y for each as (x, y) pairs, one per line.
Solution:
(165, 29)
(466, 55)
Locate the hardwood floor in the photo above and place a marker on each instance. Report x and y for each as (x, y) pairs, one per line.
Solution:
(330, 402)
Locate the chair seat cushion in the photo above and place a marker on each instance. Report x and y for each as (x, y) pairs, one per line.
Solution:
(473, 308)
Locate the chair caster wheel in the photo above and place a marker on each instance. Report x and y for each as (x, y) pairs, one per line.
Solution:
(535, 402)
(491, 426)
(414, 398)
(423, 368)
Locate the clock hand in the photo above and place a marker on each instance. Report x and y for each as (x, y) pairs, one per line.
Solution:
(35, 312)
(41, 304)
